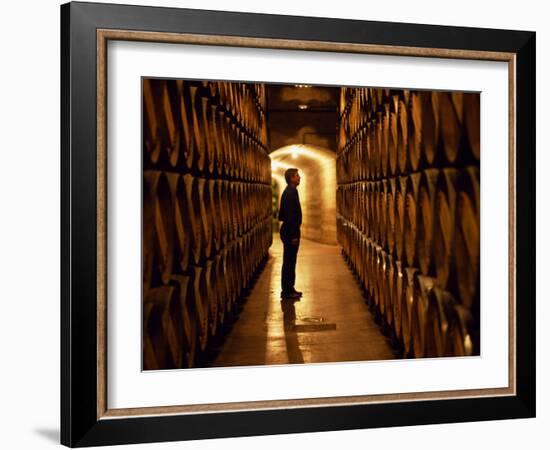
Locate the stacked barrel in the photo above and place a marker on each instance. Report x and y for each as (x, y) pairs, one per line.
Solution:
(408, 213)
(206, 211)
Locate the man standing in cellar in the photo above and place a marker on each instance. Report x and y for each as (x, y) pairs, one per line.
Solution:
(290, 213)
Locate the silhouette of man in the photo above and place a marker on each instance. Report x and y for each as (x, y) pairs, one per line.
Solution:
(290, 213)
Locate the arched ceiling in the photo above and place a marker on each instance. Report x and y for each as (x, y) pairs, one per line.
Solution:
(302, 114)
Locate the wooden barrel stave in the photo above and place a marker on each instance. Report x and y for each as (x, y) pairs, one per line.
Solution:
(467, 238)
(444, 228)
(408, 305)
(411, 217)
(186, 325)
(423, 285)
(425, 220)
(161, 347)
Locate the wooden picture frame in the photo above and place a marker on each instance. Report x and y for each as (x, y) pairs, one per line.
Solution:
(86, 28)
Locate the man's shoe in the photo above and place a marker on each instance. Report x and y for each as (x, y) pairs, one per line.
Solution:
(289, 295)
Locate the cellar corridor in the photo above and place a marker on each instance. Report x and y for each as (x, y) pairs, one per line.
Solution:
(330, 323)
(389, 217)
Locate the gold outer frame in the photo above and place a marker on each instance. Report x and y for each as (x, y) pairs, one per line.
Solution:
(103, 36)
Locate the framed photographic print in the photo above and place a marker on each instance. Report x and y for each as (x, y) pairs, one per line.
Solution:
(279, 224)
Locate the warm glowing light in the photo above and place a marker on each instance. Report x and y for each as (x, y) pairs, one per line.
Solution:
(302, 106)
(294, 151)
(275, 165)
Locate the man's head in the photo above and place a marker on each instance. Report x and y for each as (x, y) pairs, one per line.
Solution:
(292, 177)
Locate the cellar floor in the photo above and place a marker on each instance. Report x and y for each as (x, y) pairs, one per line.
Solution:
(330, 323)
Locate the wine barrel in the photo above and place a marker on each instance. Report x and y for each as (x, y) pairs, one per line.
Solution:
(232, 206)
(356, 211)
(212, 88)
(357, 252)
(425, 220)
(248, 257)
(400, 196)
(351, 246)
(152, 121)
(240, 207)
(250, 201)
(460, 338)
(248, 158)
(440, 303)
(231, 102)
(151, 275)
(379, 278)
(193, 214)
(203, 212)
(222, 285)
(367, 269)
(186, 326)
(444, 225)
(385, 140)
(373, 150)
(182, 224)
(378, 144)
(212, 301)
(393, 139)
(390, 215)
(389, 268)
(402, 137)
(229, 146)
(208, 118)
(363, 208)
(449, 126)
(200, 295)
(375, 209)
(430, 126)
(422, 287)
(397, 295)
(220, 209)
(358, 157)
(161, 218)
(364, 262)
(408, 304)
(223, 156)
(371, 205)
(213, 211)
(229, 276)
(383, 189)
(239, 157)
(234, 271)
(471, 121)
(171, 121)
(185, 114)
(411, 216)
(161, 347)
(370, 269)
(198, 128)
(240, 270)
(467, 237)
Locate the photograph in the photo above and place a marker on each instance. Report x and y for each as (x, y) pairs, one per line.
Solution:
(278, 224)
(303, 224)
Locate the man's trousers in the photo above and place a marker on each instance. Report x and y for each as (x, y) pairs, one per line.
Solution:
(288, 273)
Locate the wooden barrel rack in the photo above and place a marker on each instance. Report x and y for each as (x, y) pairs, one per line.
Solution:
(408, 213)
(206, 211)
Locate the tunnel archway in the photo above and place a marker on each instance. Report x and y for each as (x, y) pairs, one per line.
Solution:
(317, 166)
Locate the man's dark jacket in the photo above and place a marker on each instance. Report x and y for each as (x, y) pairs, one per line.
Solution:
(290, 212)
